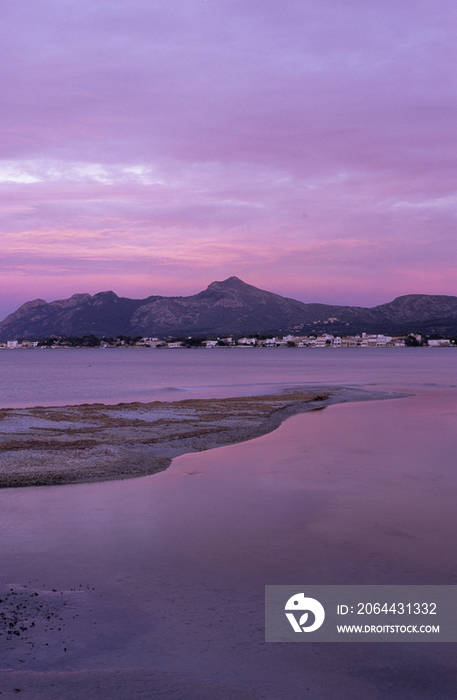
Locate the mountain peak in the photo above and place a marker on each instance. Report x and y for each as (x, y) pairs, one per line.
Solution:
(230, 282)
(106, 295)
(32, 304)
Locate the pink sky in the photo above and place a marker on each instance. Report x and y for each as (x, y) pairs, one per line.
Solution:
(153, 146)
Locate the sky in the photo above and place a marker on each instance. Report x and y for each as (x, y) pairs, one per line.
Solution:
(154, 146)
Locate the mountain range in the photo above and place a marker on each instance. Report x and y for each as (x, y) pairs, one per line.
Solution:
(230, 307)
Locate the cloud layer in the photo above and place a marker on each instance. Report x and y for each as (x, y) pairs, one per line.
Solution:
(151, 147)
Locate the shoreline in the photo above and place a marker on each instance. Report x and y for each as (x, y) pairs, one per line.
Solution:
(44, 446)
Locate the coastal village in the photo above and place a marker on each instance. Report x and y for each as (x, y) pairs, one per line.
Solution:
(364, 340)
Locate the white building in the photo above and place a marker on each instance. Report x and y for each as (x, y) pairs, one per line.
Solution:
(322, 341)
(291, 338)
(440, 343)
(375, 341)
(247, 342)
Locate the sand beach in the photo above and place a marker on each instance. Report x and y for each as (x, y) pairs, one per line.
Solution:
(97, 442)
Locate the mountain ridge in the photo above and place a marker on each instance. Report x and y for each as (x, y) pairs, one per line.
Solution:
(228, 307)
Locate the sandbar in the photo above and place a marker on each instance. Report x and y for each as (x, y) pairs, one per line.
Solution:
(44, 446)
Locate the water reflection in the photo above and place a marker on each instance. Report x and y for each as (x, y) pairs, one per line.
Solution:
(360, 493)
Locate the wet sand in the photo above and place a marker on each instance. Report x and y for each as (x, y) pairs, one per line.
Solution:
(98, 442)
(173, 608)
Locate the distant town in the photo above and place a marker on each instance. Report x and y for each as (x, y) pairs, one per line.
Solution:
(364, 340)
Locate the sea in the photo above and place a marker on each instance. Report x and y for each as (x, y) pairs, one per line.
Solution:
(153, 587)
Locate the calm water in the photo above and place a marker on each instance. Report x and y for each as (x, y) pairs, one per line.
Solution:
(56, 377)
(169, 570)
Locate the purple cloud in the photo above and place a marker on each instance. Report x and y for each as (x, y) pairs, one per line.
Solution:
(307, 147)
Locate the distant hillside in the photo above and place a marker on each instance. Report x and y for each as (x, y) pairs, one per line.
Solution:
(224, 308)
